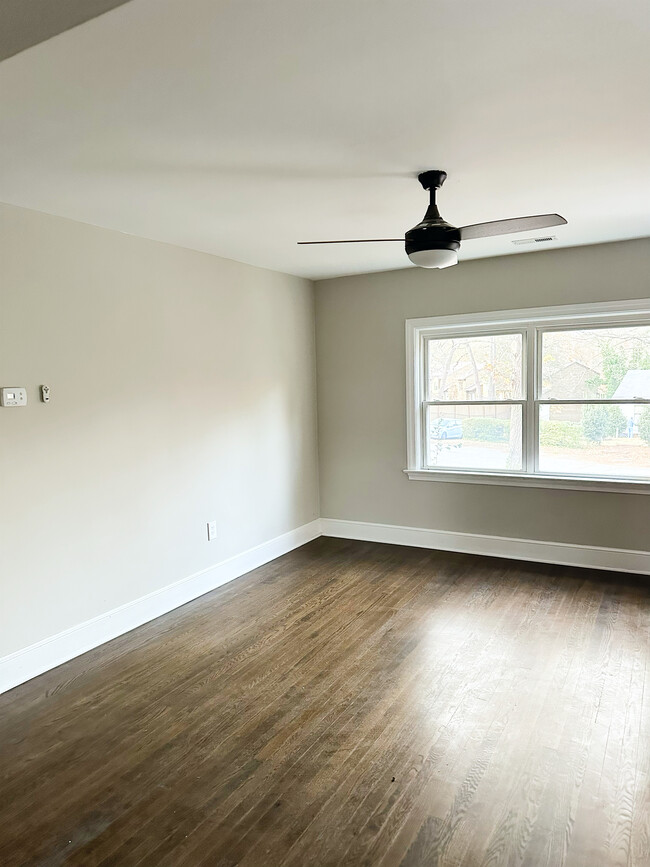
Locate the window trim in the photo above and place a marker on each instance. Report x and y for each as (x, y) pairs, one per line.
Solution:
(529, 321)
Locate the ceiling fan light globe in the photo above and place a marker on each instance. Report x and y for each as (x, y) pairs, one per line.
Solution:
(443, 258)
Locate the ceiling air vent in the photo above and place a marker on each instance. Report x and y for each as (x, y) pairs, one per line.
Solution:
(521, 241)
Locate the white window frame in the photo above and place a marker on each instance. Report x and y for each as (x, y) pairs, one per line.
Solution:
(531, 323)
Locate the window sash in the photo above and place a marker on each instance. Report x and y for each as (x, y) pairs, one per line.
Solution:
(530, 453)
(577, 325)
(424, 434)
(486, 332)
(606, 477)
(532, 325)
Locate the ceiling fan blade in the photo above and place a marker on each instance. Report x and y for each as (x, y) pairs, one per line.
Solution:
(505, 227)
(355, 241)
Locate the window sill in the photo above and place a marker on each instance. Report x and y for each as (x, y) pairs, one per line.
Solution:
(567, 483)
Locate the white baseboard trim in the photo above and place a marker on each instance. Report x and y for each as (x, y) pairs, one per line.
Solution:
(560, 553)
(25, 664)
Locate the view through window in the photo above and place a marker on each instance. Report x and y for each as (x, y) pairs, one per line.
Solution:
(475, 377)
(562, 399)
(595, 435)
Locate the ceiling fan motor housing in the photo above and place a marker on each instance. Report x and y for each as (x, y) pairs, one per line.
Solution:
(432, 235)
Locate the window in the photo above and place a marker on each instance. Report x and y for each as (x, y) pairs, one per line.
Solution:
(553, 397)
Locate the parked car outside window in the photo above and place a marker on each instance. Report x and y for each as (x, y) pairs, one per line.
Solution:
(446, 429)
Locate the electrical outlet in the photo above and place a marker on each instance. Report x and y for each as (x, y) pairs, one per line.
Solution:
(212, 531)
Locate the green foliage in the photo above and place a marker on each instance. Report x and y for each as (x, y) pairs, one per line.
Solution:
(566, 434)
(615, 366)
(600, 422)
(639, 359)
(595, 423)
(487, 430)
(617, 421)
(644, 425)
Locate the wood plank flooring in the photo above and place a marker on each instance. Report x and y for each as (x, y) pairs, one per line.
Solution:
(348, 704)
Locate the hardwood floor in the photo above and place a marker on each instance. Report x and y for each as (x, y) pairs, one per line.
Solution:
(348, 704)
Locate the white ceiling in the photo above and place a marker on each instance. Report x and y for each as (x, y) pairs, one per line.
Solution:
(239, 127)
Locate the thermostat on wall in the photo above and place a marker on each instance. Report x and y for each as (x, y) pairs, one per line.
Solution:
(13, 396)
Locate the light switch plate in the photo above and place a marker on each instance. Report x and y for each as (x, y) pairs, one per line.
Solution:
(11, 396)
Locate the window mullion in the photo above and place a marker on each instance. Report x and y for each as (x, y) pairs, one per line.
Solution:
(423, 394)
(530, 415)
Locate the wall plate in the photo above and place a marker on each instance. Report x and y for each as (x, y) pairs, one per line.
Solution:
(13, 396)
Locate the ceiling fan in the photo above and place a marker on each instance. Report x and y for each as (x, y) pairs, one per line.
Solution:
(434, 243)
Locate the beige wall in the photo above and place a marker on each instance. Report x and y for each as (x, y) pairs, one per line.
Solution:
(361, 395)
(183, 390)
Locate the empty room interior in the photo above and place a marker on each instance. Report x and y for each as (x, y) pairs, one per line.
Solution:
(324, 433)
